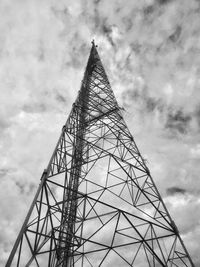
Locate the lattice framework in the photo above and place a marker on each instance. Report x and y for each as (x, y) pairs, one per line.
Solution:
(97, 204)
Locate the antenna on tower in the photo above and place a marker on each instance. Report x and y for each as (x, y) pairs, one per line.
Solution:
(93, 43)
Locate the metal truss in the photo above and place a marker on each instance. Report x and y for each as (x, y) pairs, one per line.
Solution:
(97, 204)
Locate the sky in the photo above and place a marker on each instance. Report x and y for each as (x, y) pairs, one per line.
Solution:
(151, 52)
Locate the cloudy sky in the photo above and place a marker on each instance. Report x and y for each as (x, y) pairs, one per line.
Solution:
(151, 53)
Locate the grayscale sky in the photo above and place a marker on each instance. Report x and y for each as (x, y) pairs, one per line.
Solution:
(151, 52)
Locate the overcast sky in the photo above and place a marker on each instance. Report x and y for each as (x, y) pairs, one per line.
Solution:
(151, 52)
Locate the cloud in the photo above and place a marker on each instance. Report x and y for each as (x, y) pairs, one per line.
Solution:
(175, 190)
(178, 122)
(186, 206)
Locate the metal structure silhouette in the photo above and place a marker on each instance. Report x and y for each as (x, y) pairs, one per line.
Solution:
(97, 204)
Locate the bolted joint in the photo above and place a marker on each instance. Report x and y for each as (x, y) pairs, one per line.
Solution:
(175, 228)
(148, 172)
(44, 174)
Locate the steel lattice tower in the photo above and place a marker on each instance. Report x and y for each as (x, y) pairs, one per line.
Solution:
(97, 204)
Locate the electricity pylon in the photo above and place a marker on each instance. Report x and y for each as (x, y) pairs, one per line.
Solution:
(97, 204)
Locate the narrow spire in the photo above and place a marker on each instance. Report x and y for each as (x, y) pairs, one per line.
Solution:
(93, 58)
(93, 43)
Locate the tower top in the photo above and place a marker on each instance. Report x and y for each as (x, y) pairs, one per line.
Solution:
(93, 43)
